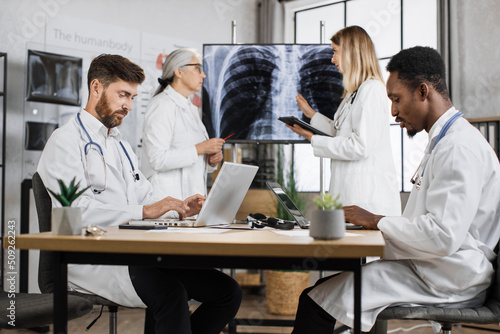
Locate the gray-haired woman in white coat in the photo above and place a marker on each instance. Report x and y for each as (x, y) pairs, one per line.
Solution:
(177, 153)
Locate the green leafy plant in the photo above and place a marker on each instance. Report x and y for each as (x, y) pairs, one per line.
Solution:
(326, 201)
(68, 193)
(291, 189)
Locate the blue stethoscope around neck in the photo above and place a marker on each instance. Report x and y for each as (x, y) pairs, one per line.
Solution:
(87, 149)
(440, 136)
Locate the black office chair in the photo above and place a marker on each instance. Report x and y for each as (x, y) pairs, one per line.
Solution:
(489, 313)
(43, 204)
(36, 310)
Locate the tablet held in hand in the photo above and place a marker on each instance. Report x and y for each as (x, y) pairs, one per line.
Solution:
(292, 120)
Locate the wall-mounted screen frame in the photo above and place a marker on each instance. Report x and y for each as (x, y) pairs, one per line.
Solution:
(37, 134)
(53, 78)
(248, 86)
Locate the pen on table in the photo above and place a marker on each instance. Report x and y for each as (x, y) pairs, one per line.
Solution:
(232, 134)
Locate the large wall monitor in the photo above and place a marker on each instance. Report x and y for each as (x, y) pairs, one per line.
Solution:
(249, 86)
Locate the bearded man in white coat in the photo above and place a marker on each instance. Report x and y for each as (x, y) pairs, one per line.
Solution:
(89, 147)
(440, 251)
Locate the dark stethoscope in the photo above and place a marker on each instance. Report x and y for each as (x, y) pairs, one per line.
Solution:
(259, 220)
(442, 133)
(87, 149)
(345, 110)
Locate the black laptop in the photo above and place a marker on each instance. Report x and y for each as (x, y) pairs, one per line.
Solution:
(292, 209)
(288, 204)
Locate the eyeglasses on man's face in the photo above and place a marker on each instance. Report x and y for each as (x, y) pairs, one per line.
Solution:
(199, 67)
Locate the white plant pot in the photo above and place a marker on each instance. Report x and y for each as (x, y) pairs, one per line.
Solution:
(327, 224)
(66, 221)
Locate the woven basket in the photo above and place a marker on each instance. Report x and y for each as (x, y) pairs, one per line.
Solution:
(283, 289)
(247, 279)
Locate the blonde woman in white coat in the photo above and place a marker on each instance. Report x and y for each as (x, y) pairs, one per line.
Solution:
(177, 153)
(362, 166)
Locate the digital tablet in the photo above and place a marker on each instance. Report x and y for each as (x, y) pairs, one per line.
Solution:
(291, 120)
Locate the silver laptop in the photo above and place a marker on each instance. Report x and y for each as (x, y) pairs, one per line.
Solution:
(223, 200)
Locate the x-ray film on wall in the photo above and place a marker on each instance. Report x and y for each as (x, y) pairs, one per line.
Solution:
(249, 86)
(53, 78)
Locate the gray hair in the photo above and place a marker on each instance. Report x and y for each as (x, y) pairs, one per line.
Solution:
(175, 59)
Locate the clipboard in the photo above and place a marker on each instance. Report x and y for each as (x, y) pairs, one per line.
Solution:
(291, 120)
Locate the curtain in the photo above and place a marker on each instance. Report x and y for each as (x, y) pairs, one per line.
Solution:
(271, 22)
(474, 39)
(443, 39)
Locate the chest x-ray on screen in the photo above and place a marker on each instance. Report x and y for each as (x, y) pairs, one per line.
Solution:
(249, 86)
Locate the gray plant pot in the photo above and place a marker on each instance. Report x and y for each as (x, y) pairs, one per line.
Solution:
(66, 221)
(327, 224)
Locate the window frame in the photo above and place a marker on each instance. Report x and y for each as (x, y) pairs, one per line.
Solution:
(290, 30)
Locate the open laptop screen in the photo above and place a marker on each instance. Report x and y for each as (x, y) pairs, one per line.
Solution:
(289, 205)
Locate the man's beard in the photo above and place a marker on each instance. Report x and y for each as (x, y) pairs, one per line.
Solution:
(106, 114)
(411, 133)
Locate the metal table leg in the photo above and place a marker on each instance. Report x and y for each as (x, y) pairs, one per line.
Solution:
(60, 295)
(357, 299)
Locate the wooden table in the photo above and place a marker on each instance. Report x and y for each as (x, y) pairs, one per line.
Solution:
(247, 249)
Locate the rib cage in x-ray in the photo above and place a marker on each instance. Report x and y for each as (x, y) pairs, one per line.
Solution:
(249, 86)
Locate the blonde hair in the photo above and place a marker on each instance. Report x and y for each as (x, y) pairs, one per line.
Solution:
(358, 59)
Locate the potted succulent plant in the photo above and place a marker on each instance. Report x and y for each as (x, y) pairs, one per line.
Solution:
(67, 220)
(327, 221)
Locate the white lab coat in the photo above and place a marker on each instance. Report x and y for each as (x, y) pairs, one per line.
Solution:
(362, 165)
(172, 128)
(64, 158)
(440, 250)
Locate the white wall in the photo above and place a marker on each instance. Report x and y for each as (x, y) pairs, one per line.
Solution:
(28, 23)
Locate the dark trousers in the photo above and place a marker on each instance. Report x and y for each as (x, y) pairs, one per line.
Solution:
(310, 317)
(166, 292)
